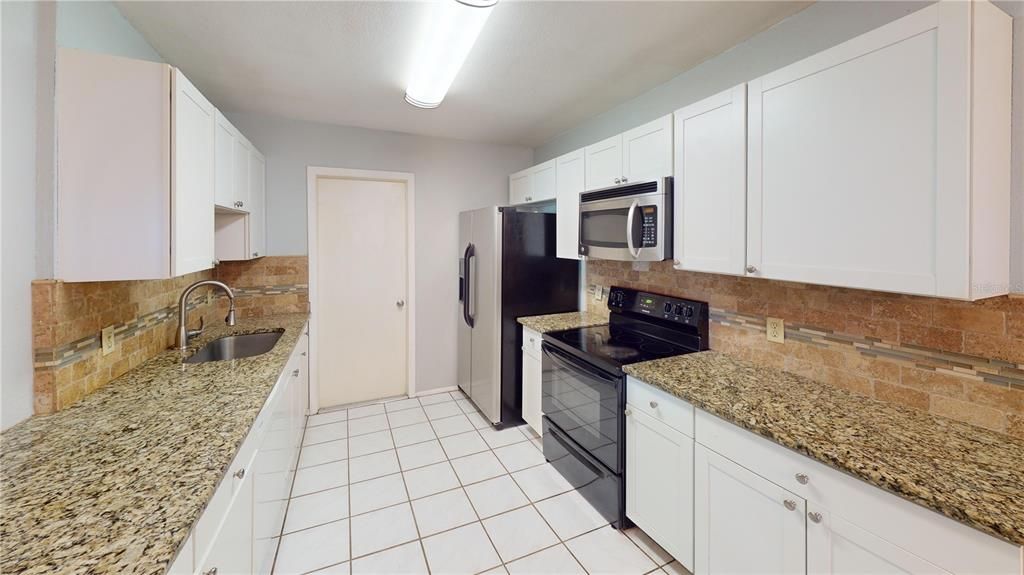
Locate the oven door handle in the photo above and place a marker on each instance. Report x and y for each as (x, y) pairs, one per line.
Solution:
(565, 360)
(635, 252)
(581, 455)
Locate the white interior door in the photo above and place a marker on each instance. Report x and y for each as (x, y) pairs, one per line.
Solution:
(360, 311)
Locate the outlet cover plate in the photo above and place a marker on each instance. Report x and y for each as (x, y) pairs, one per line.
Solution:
(776, 329)
(107, 340)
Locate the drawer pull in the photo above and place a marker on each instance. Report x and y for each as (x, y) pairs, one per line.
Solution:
(654, 405)
(802, 479)
(815, 517)
(628, 412)
(240, 473)
(790, 504)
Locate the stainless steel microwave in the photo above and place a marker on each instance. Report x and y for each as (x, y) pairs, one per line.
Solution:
(628, 222)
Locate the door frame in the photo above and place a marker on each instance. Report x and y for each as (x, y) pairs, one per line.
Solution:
(313, 173)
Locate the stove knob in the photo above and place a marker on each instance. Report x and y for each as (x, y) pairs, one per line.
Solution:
(679, 309)
(668, 307)
(688, 312)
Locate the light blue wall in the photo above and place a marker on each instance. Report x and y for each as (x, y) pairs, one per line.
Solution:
(100, 27)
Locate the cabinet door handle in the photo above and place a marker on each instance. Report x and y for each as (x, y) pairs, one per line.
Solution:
(802, 479)
(815, 517)
(240, 473)
(654, 405)
(790, 504)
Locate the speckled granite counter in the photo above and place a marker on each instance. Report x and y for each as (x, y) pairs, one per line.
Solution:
(114, 483)
(560, 321)
(964, 472)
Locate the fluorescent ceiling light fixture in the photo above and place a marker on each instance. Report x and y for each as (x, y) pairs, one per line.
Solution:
(453, 29)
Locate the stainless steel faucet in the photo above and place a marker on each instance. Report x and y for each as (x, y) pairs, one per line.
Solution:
(184, 334)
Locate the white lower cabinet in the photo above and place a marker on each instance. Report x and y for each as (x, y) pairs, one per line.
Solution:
(532, 376)
(743, 522)
(730, 501)
(238, 530)
(659, 483)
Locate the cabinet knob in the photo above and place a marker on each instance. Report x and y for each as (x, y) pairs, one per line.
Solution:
(628, 412)
(400, 303)
(624, 179)
(618, 180)
(790, 504)
(654, 405)
(212, 571)
(255, 254)
(815, 517)
(802, 479)
(303, 354)
(529, 198)
(751, 270)
(295, 373)
(239, 474)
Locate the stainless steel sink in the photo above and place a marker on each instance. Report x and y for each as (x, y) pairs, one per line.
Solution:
(235, 347)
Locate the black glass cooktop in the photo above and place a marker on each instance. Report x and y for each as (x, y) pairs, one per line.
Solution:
(617, 345)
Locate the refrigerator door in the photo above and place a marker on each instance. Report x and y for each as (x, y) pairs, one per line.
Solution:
(484, 292)
(465, 328)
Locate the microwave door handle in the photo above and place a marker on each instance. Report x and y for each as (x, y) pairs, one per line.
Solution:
(635, 252)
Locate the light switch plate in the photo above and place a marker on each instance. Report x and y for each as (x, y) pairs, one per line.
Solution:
(107, 340)
(776, 329)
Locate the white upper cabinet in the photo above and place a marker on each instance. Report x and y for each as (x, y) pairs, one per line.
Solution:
(224, 164)
(135, 175)
(241, 195)
(604, 163)
(647, 151)
(257, 204)
(536, 184)
(241, 151)
(710, 199)
(569, 177)
(643, 153)
(883, 163)
(192, 186)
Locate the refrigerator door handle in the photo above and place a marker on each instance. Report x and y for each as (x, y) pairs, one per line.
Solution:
(467, 283)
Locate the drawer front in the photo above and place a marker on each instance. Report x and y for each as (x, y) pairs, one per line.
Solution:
(531, 341)
(947, 543)
(660, 405)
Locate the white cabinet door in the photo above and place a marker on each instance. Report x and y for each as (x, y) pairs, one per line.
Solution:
(647, 151)
(659, 489)
(744, 523)
(710, 202)
(224, 163)
(569, 178)
(240, 164)
(860, 162)
(532, 376)
(518, 187)
(257, 204)
(231, 549)
(604, 163)
(838, 547)
(192, 187)
(543, 184)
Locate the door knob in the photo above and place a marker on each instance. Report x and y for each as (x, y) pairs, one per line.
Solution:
(400, 303)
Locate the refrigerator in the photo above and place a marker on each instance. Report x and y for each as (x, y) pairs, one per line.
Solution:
(507, 270)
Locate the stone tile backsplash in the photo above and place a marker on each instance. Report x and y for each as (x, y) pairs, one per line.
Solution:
(962, 360)
(68, 318)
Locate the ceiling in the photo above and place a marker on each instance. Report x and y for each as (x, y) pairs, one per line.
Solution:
(538, 68)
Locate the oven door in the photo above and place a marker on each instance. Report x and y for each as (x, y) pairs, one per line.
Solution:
(626, 228)
(585, 403)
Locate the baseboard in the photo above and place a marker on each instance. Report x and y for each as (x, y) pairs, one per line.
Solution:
(436, 390)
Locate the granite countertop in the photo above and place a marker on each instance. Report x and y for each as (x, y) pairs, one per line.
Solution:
(964, 472)
(560, 321)
(115, 483)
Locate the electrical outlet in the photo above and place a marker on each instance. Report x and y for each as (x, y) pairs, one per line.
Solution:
(598, 293)
(776, 329)
(107, 340)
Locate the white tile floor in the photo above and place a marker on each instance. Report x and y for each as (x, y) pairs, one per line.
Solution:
(426, 485)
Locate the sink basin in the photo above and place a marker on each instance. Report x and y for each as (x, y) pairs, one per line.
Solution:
(235, 346)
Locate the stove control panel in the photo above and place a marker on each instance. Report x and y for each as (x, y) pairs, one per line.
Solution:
(664, 307)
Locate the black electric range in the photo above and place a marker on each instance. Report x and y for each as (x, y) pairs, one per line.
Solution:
(584, 387)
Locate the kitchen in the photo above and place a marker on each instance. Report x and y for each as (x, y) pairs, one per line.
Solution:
(740, 302)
